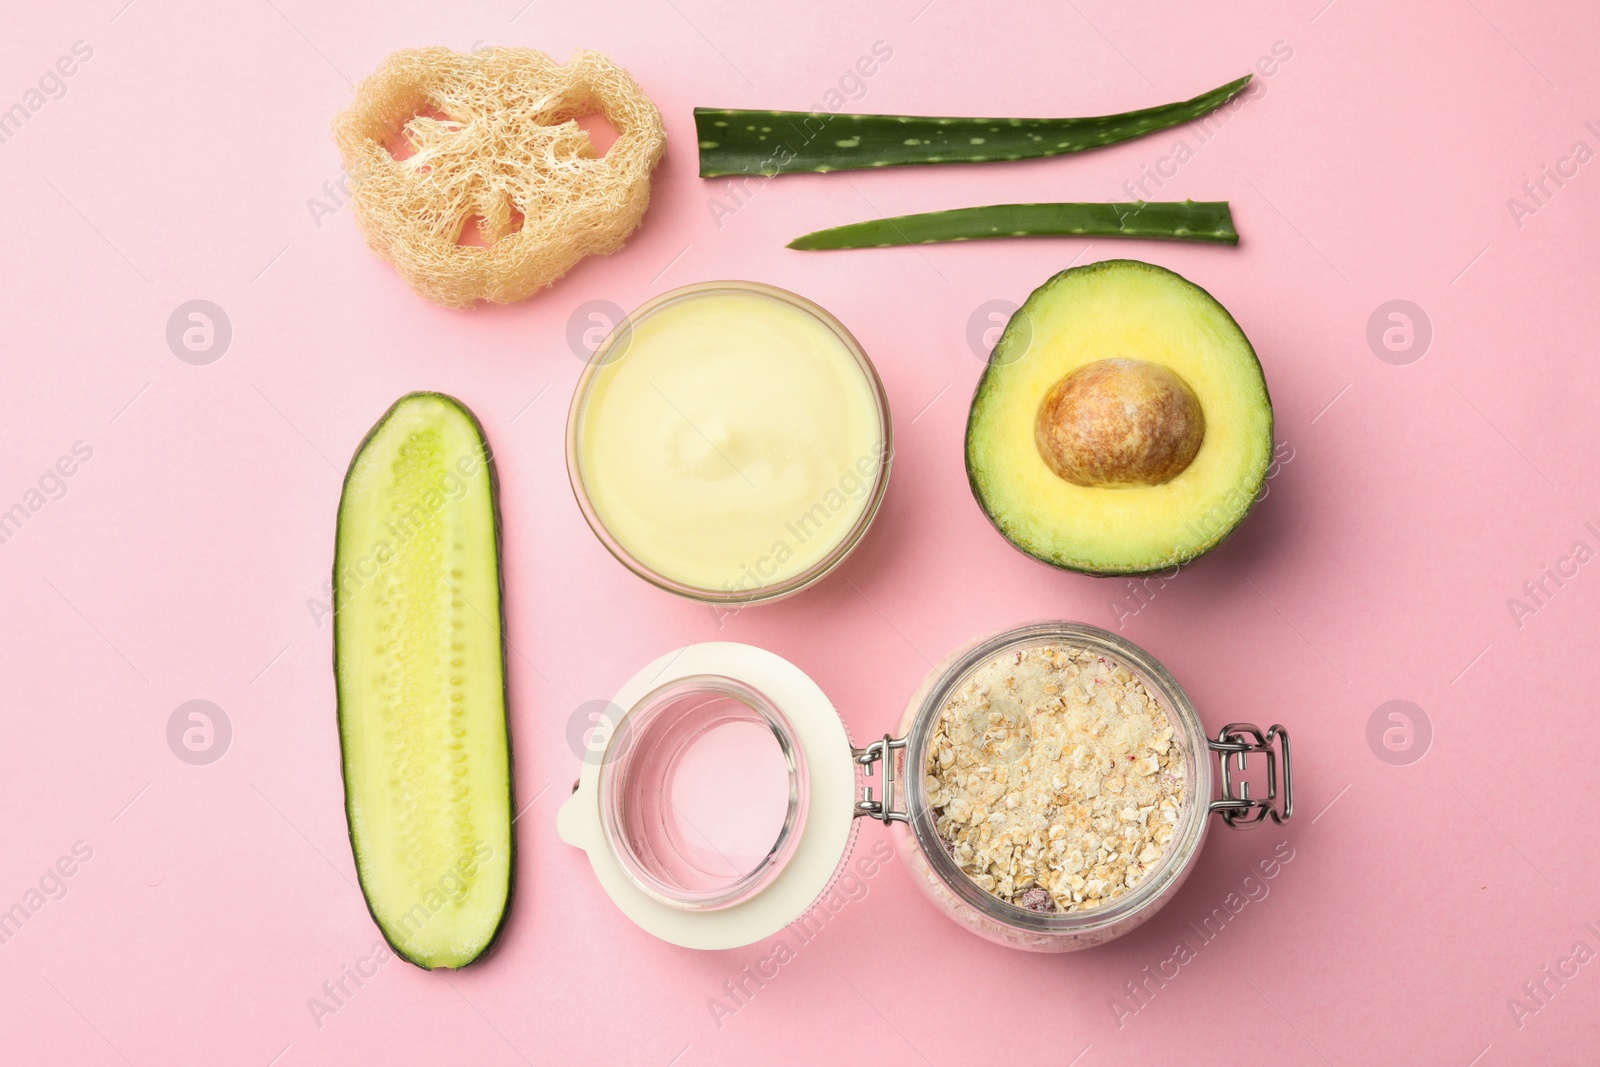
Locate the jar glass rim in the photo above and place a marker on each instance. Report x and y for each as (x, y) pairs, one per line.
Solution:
(629, 748)
(1193, 817)
(618, 337)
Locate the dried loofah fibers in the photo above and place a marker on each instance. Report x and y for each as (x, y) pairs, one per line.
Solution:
(509, 150)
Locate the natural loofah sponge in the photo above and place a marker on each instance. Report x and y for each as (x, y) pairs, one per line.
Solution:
(507, 151)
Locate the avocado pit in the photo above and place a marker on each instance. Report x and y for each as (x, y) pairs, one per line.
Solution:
(1119, 422)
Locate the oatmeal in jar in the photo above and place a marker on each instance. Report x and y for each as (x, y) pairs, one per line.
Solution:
(1054, 779)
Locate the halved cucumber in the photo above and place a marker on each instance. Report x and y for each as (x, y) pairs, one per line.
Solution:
(419, 665)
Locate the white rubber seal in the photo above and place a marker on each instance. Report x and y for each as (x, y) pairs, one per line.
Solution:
(824, 839)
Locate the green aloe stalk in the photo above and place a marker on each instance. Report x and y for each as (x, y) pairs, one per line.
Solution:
(1185, 220)
(782, 142)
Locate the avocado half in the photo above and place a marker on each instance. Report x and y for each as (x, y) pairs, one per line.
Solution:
(1122, 425)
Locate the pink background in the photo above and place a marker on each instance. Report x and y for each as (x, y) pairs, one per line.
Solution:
(1375, 166)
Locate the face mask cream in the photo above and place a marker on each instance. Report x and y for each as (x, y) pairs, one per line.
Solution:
(729, 442)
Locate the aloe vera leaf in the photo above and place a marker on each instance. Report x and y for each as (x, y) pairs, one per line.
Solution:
(781, 142)
(1183, 220)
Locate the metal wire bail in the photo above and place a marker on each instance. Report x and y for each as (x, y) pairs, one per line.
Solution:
(1233, 746)
(893, 791)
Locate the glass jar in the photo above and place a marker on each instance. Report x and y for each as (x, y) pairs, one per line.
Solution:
(1008, 924)
(693, 885)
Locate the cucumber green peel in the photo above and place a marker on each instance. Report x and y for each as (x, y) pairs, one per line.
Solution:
(1185, 220)
(783, 142)
(419, 667)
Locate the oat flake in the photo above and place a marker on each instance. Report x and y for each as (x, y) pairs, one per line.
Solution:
(1054, 779)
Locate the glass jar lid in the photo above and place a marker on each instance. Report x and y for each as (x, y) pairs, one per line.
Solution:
(723, 803)
(712, 807)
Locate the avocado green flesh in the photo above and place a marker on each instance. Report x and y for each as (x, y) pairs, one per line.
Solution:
(420, 672)
(1134, 310)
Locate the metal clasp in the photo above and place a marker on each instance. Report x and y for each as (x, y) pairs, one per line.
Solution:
(893, 791)
(1233, 745)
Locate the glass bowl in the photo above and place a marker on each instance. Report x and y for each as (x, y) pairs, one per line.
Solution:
(615, 347)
